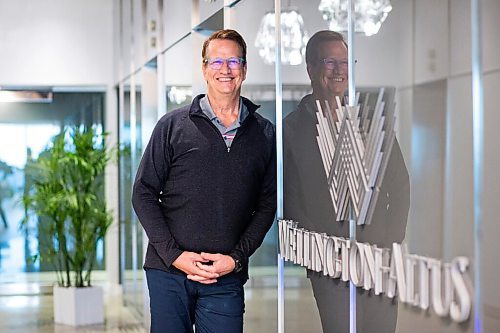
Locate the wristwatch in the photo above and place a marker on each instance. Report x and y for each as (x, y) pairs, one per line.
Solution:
(237, 265)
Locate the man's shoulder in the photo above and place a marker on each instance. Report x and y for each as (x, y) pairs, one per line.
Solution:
(265, 125)
(262, 122)
(298, 116)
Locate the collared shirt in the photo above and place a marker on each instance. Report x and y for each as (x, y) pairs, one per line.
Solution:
(228, 133)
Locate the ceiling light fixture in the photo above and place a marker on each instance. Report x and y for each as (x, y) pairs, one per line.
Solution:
(293, 37)
(368, 14)
(179, 95)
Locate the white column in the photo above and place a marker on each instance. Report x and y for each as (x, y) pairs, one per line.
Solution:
(112, 241)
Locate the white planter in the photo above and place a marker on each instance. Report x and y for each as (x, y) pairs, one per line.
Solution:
(78, 306)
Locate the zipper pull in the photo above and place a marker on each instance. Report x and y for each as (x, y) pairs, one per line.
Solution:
(228, 149)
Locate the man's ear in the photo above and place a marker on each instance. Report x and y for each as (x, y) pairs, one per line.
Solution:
(203, 70)
(245, 71)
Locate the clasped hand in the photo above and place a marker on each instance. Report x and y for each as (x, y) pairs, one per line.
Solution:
(204, 267)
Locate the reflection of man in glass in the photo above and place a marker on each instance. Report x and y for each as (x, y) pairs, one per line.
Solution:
(307, 199)
(205, 193)
(326, 58)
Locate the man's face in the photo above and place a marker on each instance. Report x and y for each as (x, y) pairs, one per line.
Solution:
(224, 81)
(330, 78)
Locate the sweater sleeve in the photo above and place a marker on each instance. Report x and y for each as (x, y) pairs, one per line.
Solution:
(146, 197)
(264, 214)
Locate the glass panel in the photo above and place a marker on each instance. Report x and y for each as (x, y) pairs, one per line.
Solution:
(178, 73)
(415, 250)
(259, 86)
(490, 233)
(314, 301)
(433, 128)
(26, 128)
(131, 237)
(125, 184)
(17, 247)
(148, 119)
(417, 55)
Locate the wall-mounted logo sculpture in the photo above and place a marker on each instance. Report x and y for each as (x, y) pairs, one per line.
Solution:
(355, 150)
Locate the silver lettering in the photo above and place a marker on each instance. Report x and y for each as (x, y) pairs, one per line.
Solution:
(369, 260)
(382, 270)
(300, 246)
(440, 302)
(307, 249)
(462, 303)
(356, 264)
(397, 274)
(345, 245)
(423, 269)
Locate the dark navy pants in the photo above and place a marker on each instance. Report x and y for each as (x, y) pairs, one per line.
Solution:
(178, 303)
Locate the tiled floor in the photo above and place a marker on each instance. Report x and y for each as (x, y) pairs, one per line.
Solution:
(34, 314)
(30, 314)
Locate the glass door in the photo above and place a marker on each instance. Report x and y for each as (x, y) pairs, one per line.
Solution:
(130, 95)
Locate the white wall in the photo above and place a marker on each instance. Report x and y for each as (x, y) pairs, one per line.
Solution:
(56, 42)
(425, 231)
(431, 36)
(177, 20)
(458, 218)
(491, 232)
(386, 59)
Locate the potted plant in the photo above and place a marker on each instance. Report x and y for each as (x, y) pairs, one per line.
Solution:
(67, 197)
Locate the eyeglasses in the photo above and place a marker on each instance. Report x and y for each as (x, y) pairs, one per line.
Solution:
(217, 63)
(332, 63)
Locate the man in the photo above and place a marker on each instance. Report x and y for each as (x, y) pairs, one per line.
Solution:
(306, 194)
(307, 199)
(205, 193)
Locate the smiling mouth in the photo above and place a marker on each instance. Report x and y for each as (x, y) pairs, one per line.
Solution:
(338, 79)
(224, 79)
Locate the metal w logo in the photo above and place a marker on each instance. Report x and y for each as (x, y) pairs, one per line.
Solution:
(355, 150)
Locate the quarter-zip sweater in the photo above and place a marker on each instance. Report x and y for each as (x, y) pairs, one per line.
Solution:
(192, 194)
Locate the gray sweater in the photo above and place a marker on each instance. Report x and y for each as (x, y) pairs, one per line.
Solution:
(191, 194)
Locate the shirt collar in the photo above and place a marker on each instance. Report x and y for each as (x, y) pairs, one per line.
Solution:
(209, 112)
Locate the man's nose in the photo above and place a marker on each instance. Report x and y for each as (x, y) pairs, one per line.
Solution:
(337, 69)
(225, 68)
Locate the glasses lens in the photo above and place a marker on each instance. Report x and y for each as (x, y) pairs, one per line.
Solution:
(215, 63)
(234, 63)
(331, 63)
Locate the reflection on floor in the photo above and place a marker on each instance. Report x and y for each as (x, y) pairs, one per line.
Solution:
(301, 314)
(34, 314)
